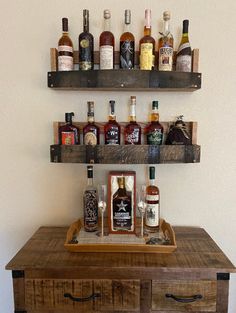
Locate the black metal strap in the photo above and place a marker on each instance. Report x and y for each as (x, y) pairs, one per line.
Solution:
(77, 299)
(184, 299)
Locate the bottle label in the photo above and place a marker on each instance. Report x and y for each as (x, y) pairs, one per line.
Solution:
(152, 211)
(122, 218)
(183, 46)
(65, 63)
(127, 54)
(90, 139)
(90, 209)
(147, 59)
(65, 49)
(85, 55)
(67, 138)
(184, 63)
(106, 57)
(155, 137)
(165, 58)
(133, 137)
(112, 136)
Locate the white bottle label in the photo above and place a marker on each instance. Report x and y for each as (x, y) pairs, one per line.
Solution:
(106, 57)
(184, 63)
(152, 211)
(65, 48)
(65, 62)
(165, 59)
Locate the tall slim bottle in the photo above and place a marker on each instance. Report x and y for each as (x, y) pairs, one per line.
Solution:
(107, 44)
(112, 128)
(184, 53)
(91, 132)
(154, 130)
(90, 203)
(132, 131)
(65, 49)
(147, 45)
(127, 44)
(86, 45)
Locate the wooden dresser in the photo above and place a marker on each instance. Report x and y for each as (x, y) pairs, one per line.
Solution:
(49, 279)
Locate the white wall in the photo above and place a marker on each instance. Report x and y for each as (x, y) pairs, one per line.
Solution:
(35, 192)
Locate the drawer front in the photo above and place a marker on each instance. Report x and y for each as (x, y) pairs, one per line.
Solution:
(184, 296)
(102, 295)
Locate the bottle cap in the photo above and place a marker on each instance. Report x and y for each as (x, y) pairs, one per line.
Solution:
(127, 17)
(151, 172)
(65, 24)
(166, 16)
(90, 108)
(185, 26)
(68, 116)
(90, 171)
(148, 18)
(121, 181)
(107, 14)
(86, 13)
(133, 98)
(154, 105)
(112, 107)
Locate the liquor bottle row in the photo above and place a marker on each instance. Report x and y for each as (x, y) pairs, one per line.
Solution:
(123, 199)
(148, 49)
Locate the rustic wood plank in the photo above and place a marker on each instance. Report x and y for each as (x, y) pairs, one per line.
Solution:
(19, 293)
(53, 59)
(195, 60)
(145, 296)
(222, 296)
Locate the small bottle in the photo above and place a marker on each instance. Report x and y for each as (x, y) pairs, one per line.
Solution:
(184, 53)
(165, 46)
(112, 128)
(127, 44)
(152, 200)
(107, 44)
(86, 45)
(132, 130)
(91, 132)
(154, 130)
(147, 45)
(90, 203)
(65, 49)
(68, 133)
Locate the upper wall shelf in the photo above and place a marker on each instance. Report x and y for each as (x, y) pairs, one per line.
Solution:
(117, 79)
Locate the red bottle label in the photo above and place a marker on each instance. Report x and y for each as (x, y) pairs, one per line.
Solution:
(67, 138)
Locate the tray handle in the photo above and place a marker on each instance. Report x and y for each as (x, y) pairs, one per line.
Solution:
(84, 299)
(184, 299)
(74, 228)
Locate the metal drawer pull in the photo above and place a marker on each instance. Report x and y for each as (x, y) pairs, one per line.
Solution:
(184, 299)
(93, 296)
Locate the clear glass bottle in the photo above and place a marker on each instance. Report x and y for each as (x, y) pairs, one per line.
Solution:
(147, 45)
(65, 49)
(165, 46)
(132, 131)
(127, 44)
(112, 128)
(90, 203)
(154, 130)
(86, 45)
(91, 132)
(68, 133)
(107, 44)
(184, 53)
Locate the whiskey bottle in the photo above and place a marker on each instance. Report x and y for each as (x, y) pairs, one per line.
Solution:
(90, 203)
(65, 49)
(132, 131)
(91, 132)
(127, 44)
(154, 130)
(152, 201)
(68, 133)
(107, 44)
(122, 215)
(86, 45)
(147, 45)
(165, 45)
(112, 128)
(184, 53)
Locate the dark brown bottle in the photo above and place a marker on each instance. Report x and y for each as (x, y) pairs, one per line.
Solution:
(154, 130)
(65, 49)
(127, 44)
(132, 130)
(91, 132)
(112, 128)
(86, 45)
(68, 133)
(184, 53)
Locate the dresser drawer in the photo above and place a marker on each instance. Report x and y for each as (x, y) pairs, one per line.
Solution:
(96, 295)
(184, 296)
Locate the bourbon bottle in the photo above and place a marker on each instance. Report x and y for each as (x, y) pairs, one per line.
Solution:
(127, 44)
(154, 131)
(184, 53)
(65, 49)
(132, 132)
(112, 128)
(68, 133)
(91, 132)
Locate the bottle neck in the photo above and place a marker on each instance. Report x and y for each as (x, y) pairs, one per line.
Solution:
(107, 24)
(112, 118)
(151, 182)
(154, 116)
(65, 33)
(147, 31)
(89, 181)
(132, 113)
(86, 25)
(91, 118)
(166, 29)
(185, 36)
(127, 28)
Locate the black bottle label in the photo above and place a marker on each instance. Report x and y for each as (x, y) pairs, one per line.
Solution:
(85, 53)
(122, 214)
(127, 54)
(155, 137)
(112, 136)
(90, 210)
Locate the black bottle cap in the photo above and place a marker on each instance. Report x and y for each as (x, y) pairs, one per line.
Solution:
(65, 24)
(90, 171)
(185, 26)
(90, 108)
(112, 107)
(151, 172)
(155, 105)
(68, 116)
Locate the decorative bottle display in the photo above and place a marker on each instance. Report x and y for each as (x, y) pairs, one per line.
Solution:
(165, 45)
(86, 45)
(90, 203)
(65, 49)
(132, 132)
(184, 53)
(147, 45)
(106, 44)
(152, 201)
(127, 45)
(91, 131)
(122, 208)
(68, 133)
(154, 130)
(112, 128)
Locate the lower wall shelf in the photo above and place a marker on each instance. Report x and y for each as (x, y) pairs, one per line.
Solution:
(125, 154)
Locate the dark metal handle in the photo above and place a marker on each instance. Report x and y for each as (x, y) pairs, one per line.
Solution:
(93, 296)
(184, 299)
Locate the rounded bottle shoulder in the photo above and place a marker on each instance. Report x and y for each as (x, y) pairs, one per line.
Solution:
(65, 41)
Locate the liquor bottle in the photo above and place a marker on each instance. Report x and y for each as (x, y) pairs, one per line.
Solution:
(91, 132)
(132, 130)
(107, 44)
(65, 49)
(68, 133)
(122, 215)
(165, 45)
(86, 45)
(184, 53)
(127, 44)
(147, 45)
(112, 128)
(152, 201)
(90, 203)
(154, 130)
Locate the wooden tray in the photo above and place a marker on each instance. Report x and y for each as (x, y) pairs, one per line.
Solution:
(101, 246)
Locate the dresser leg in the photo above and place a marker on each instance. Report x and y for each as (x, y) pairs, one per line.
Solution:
(222, 292)
(145, 296)
(19, 291)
